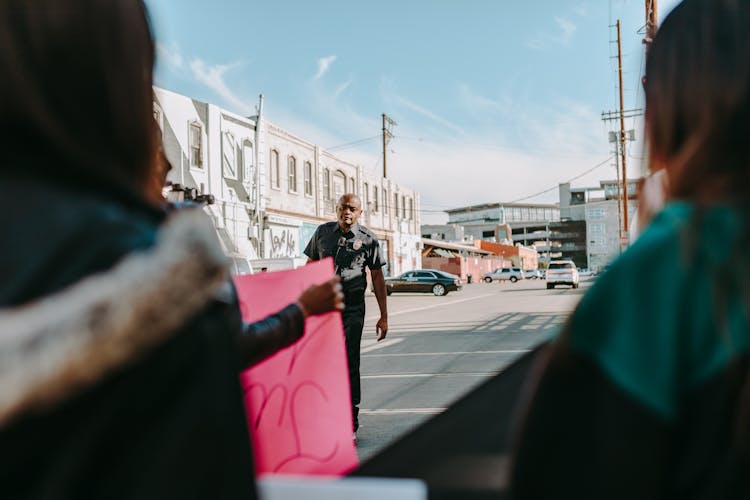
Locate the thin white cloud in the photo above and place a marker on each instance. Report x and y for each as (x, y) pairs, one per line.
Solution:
(341, 88)
(479, 104)
(581, 10)
(566, 29)
(170, 55)
(323, 64)
(212, 76)
(412, 106)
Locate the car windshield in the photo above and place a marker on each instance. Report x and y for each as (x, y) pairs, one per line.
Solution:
(561, 265)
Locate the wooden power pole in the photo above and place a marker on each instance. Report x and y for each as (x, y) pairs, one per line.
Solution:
(388, 124)
(652, 22)
(623, 155)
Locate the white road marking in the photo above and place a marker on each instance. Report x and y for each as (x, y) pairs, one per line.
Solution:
(429, 375)
(375, 345)
(400, 411)
(442, 304)
(404, 354)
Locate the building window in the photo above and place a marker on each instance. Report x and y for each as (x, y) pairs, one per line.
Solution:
(352, 186)
(395, 204)
(326, 184)
(411, 208)
(597, 228)
(339, 184)
(366, 191)
(229, 156)
(308, 179)
(488, 234)
(248, 159)
(292, 172)
(275, 173)
(196, 145)
(385, 201)
(376, 205)
(597, 213)
(403, 207)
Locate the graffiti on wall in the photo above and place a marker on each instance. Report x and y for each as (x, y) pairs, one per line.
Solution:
(283, 242)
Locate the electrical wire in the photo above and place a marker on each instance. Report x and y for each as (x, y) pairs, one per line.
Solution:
(353, 143)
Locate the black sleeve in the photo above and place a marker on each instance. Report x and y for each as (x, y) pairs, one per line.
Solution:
(581, 437)
(375, 258)
(261, 339)
(311, 250)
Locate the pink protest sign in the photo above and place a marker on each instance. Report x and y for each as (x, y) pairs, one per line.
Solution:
(298, 405)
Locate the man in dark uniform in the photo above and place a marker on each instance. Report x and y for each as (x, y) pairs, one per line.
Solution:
(352, 247)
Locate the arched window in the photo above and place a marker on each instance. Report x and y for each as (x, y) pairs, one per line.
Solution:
(339, 184)
(352, 186)
(395, 205)
(292, 173)
(274, 165)
(308, 179)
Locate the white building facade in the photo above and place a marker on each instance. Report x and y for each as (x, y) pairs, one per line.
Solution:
(273, 188)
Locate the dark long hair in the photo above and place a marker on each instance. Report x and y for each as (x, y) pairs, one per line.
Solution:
(76, 95)
(698, 99)
(698, 124)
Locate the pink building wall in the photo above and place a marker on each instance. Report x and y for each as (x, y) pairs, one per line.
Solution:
(463, 266)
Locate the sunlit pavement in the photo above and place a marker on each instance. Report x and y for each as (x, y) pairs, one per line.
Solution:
(438, 348)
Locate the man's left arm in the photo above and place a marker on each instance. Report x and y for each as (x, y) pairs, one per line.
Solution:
(378, 283)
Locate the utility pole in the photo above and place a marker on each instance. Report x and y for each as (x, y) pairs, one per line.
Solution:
(388, 124)
(620, 140)
(622, 135)
(652, 22)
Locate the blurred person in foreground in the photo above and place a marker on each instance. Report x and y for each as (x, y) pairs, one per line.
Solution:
(646, 393)
(120, 334)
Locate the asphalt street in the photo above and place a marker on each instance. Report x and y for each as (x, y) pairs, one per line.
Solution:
(438, 348)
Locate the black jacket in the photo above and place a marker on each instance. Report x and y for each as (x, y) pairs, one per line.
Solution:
(118, 351)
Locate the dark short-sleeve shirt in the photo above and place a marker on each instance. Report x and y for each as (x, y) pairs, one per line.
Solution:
(360, 248)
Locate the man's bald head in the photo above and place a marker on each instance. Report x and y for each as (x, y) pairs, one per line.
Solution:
(348, 210)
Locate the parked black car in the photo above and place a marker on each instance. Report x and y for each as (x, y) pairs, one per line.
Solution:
(424, 280)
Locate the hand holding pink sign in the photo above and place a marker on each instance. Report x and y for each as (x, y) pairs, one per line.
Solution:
(298, 403)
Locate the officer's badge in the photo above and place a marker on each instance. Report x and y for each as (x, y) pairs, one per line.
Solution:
(357, 244)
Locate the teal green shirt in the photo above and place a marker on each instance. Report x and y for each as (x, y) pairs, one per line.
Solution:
(669, 313)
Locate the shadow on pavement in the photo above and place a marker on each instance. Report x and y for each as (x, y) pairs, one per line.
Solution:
(463, 452)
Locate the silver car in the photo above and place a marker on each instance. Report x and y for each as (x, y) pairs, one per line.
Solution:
(511, 274)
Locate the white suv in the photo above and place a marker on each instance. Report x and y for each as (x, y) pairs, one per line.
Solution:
(504, 273)
(562, 272)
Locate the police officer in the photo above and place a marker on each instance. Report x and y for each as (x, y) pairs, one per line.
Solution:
(352, 247)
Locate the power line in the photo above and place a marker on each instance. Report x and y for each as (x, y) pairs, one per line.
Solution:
(353, 143)
(582, 174)
(490, 146)
(569, 180)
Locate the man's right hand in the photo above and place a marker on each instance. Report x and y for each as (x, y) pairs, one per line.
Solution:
(323, 298)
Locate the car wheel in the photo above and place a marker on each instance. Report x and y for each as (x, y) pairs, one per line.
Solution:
(550, 286)
(513, 279)
(575, 285)
(438, 290)
(488, 280)
(388, 292)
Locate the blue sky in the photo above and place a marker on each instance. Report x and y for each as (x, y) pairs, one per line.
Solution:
(494, 100)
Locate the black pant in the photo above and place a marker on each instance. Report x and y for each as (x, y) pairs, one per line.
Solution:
(354, 319)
